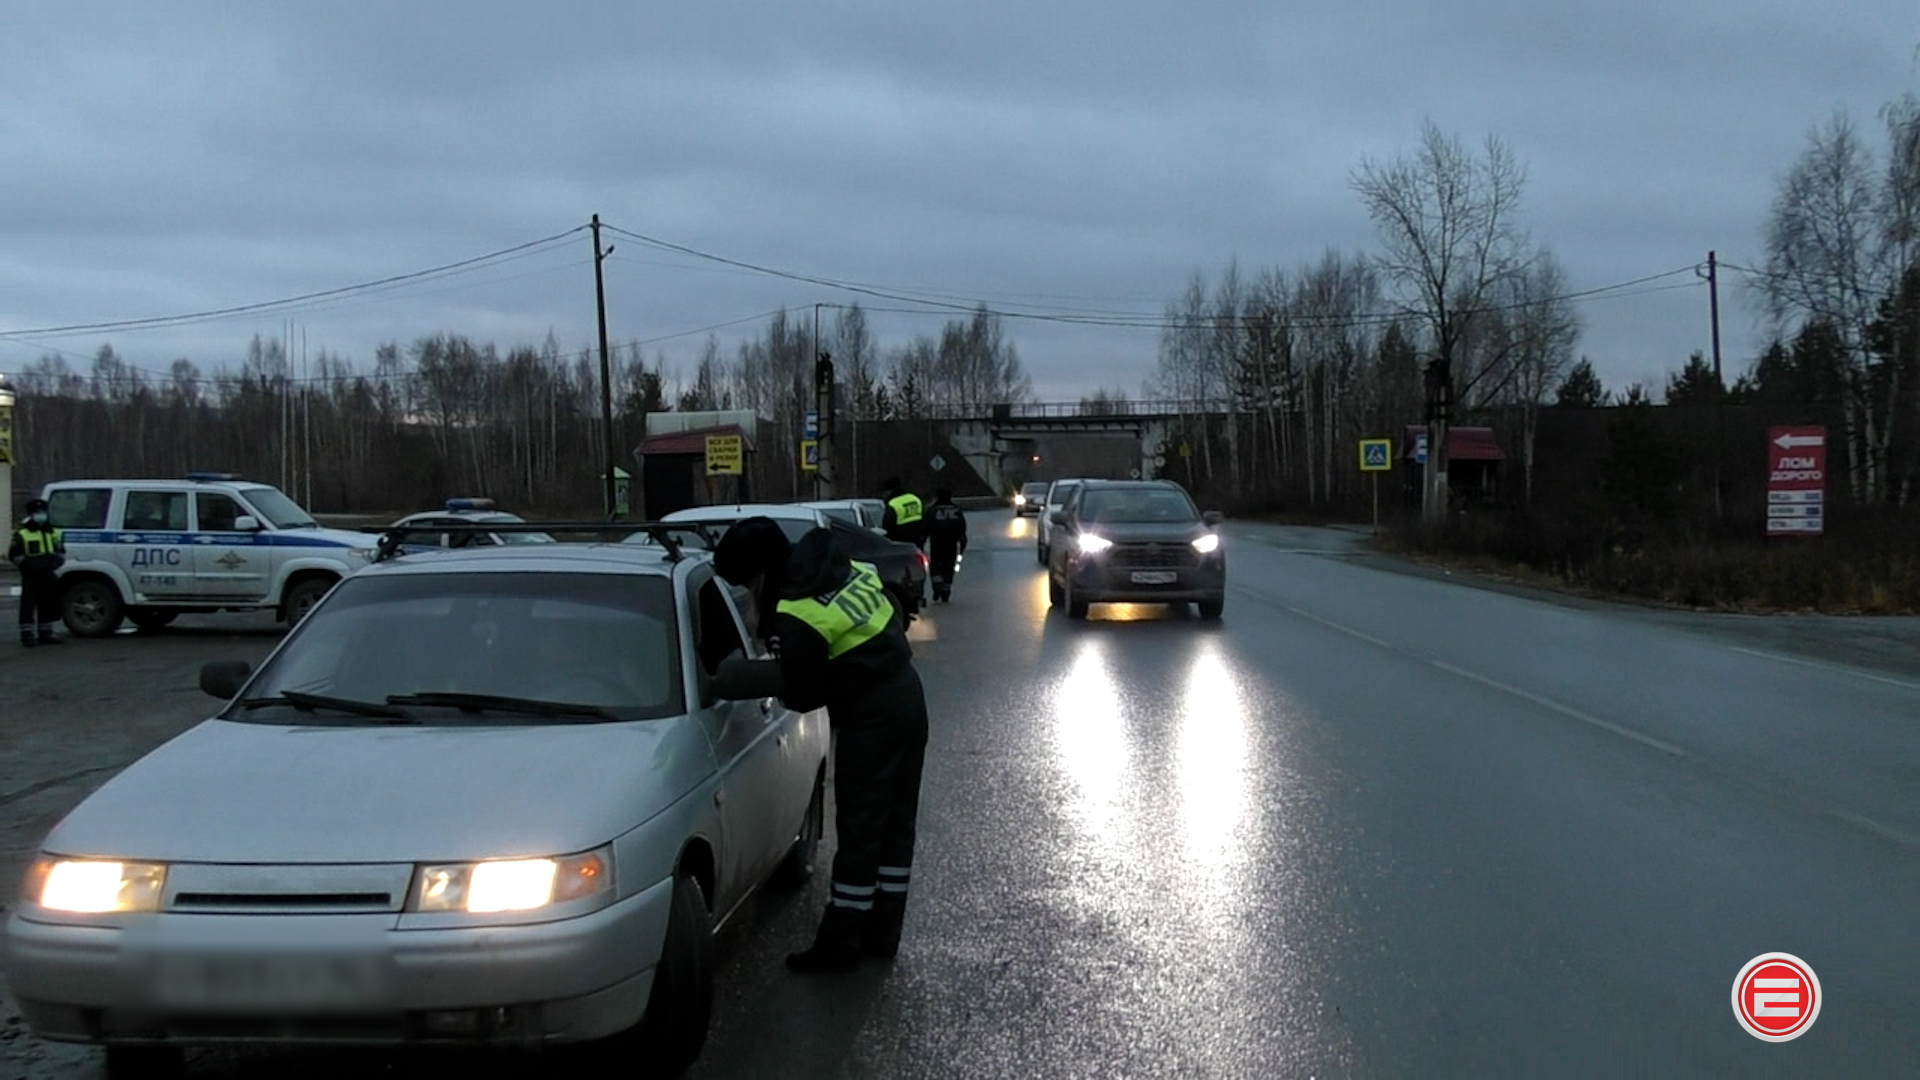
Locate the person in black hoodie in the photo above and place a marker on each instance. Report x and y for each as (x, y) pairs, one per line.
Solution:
(843, 644)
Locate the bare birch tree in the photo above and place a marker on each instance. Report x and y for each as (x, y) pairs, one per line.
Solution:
(1449, 233)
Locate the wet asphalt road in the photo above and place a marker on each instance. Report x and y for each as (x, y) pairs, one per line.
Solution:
(1370, 824)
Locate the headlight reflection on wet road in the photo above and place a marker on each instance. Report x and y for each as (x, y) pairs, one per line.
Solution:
(1090, 740)
(1210, 763)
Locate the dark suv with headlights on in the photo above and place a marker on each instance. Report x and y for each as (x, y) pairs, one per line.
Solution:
(1135, 541)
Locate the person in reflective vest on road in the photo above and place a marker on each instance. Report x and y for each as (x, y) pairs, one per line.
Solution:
(38, 550)
(842, 644)
(905, 519)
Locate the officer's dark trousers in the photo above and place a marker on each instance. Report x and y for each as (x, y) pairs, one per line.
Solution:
(941, 559)
(880, 744)
(39, 604)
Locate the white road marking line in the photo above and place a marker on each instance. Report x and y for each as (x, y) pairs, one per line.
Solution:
(1564, 710)
(1347, 630)
(1545, 703)
(1837, 669)
(1876, 828)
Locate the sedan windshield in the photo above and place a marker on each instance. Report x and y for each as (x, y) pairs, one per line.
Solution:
(1034, 492)
(1060, 493)
(488, 648)
(1137, 505)
(280, 511)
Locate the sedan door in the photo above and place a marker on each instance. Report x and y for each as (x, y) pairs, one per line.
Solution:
(749, 743)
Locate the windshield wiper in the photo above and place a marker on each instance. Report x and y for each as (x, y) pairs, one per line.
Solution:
(305, 702)
(499, 703)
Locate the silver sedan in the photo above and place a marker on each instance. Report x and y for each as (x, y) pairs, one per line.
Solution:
(493, 795)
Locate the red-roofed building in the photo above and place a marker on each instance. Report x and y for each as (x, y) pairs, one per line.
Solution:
(673, 466)
(1474, 459)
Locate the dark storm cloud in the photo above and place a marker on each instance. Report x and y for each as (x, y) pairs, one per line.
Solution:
(1087, 155)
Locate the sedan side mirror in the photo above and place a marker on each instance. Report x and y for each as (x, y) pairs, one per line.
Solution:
(246, 523)
(1058, 517)
(1212, 518)
(743, 679)
(224, 678)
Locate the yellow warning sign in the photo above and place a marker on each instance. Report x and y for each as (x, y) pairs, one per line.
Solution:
(724, 455)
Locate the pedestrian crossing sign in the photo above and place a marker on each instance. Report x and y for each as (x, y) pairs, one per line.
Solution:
(1376, 455)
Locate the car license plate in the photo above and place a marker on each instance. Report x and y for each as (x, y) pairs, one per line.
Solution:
(251, 983)
(1155, 577)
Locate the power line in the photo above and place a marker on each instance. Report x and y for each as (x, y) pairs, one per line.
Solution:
(1121, 320)
(288, 304)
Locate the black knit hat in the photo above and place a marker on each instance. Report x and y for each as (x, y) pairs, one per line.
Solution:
(752, 546)
(36, 504)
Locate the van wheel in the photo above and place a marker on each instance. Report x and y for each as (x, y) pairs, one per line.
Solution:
(1055, 595)
(91, 608)
(301, 598)
(1210, 609)
(151, 620)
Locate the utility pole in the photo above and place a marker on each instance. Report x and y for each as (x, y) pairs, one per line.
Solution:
(1720, 391)
(606, 365)
(823, 476)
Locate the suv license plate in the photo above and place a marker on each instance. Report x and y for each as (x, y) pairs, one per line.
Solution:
(1155, 577)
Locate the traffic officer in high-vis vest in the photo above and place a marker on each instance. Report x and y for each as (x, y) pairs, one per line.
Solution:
(905, 519)
(842, 644)
(38, 550)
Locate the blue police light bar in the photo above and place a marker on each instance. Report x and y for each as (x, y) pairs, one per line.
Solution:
(210, 477)
(470, 504)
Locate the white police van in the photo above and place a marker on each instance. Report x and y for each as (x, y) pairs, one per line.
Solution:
(151, 550)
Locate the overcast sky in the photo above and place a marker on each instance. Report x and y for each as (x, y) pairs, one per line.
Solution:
(1086, 155)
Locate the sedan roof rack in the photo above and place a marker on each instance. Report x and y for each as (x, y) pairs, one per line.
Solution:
(664, 533)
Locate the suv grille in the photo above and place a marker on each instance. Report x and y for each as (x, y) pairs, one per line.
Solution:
(1154, 556)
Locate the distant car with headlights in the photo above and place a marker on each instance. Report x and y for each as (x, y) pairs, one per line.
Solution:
(458, 516)
(152, 550)
(1030, 500)
(485, 796)
(1136, 541)
(1056, 498)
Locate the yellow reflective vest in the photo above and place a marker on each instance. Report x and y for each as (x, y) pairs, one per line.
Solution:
(906, 508)
(848, 617)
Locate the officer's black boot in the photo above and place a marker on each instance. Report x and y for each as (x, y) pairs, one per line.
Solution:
(880, 938)
(26, 637)
(836, 947)
(47, 638)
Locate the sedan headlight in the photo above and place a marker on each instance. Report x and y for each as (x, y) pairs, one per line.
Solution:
(1093, 543)
(512, 884)
(95, 886)
(364, 554)
(1019, 500)
(1208, 544)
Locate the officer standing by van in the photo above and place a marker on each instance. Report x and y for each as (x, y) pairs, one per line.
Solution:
(38, 550)
(843, 644)
(905, 519)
